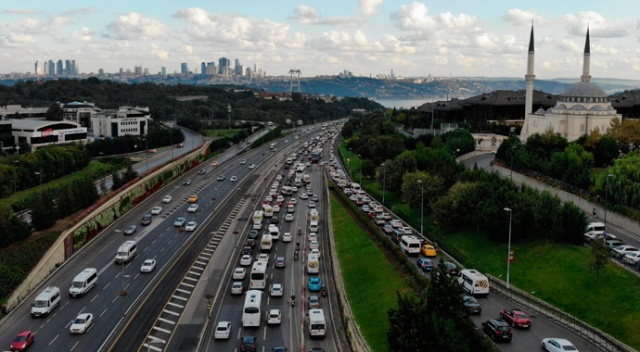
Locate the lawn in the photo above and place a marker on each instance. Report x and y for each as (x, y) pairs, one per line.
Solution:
(221, 133)
(370, 284)
(558, 274)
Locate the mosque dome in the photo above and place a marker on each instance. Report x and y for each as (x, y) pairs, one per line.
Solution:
(584, 89)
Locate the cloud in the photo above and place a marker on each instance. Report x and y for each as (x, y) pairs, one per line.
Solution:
(159, 52)
(599, 27)
(20, 12)
(413, 17)
(16, 40)
(83, 35)
(307, 15)
(369, 7)
(133, 26)
(519, 17)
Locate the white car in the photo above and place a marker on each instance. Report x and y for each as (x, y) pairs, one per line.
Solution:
(620, 251)
(148, 266)
(557, 345)
(294, 189)
(191, 226)
(312, 204)
(192, 208)
(252, 166)
(286, 237)
(237, 288)
(276, 208)
(245, 260)
(243, 161)
(314, 245)
(313, 236)
(314, 198)
(233, 179)
(274, 317)
(276, 290)
(293, 200)
(156, 210)
(315, 251)
(262, 257)
(81, 324)
(239, 273)
(631, 258)
(288, 217)
(223, 330)
(167, 199)
(257, 225)
(304, 196)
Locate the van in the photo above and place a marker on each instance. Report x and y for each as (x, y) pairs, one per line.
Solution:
(410, 245)
(313, 215)
(146, 219)
(313, 226)
(126, 252)
(274, 232)
(306, 179)
(594, 226)
(83, 282)
(257, 216)
(474, 282)
(45, 302)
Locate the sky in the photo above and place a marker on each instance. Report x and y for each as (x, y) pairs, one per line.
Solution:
(366, 37)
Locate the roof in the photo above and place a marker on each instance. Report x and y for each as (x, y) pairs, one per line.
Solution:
(34, 124)
(584, 89)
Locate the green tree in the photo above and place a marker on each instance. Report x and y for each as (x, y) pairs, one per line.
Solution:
(414, 192)
(599, 256)
(407, 325)
(54, 113)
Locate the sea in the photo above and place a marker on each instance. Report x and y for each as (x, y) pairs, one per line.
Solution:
(404, 103)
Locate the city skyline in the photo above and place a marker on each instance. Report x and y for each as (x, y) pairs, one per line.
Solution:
(365, 37)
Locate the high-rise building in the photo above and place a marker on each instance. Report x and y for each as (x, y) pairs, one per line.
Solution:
(52, 68)
(238, 69)
(35, 67)
(59, 68)
(184, 68)
(223, 66)
(203, 68)
(67, 68)
(138, 70)
(74, 68)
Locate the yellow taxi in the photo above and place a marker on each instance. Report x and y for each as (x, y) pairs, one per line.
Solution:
(193, 198)
(429, 250)
(215, 163)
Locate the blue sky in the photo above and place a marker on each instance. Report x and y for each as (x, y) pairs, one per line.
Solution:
(366, 37)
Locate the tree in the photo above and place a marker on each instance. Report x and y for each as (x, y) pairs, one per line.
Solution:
(599, 256)
(54, 113)
(407, 325)
(414, 193)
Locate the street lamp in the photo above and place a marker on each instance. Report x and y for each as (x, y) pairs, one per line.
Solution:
(384, 180)
(508, 246)
(15, 184)
(421, 208)
(360, 168)
(606, 203)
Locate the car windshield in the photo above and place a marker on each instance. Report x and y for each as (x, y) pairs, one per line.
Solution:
(79, 321)
(20, 339)
(522, 316)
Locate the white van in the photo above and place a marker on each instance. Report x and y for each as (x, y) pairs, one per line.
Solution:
(257, 216)
(313, 215)
(410, 244)
(45, 302)
(266, 242)
(474, 282)
(83, 282)
(594, 226)
(306, 179)
(126, 252)
(313, 226)
(274, 232)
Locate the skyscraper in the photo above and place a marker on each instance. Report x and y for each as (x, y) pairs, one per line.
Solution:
(184, 68)
(203, 68)
(223, 66)
(59, 68)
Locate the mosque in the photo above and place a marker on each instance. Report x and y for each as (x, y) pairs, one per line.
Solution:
(583, 108)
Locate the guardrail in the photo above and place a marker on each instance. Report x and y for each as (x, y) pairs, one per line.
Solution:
(537, 306)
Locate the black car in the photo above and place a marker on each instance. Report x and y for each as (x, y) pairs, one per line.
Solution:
(250, 242)
(452, 269)
(146, 219)
(497, 330)
(253, 234)
(247, 250)
(274, 220)
(248, 344)
(471, 305)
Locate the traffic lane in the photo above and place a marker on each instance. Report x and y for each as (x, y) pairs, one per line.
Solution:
(525, 340)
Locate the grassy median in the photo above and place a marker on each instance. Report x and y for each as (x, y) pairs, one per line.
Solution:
(370, 280)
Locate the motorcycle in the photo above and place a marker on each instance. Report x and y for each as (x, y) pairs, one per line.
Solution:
(299, 231)
(293, 301)
(295, 255)
(324, 291)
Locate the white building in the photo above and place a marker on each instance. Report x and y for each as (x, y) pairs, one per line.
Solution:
(40, 132)
(126, 120)
(580, 110)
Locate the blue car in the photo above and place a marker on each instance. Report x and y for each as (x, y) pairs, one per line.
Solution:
(314, 284)
(425, 264)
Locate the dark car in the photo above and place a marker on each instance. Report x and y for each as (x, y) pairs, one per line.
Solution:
(253, 234)
(388, 229)
(130, 230)
(247, 250)
(471, 305)
(452, 269)
(425, 264)
(187, 182)
(146, 219)
(274, 220)
(251, 242)
(280, 262)
(516, 318)
(497, 330)
(248, 343)
(396, 235)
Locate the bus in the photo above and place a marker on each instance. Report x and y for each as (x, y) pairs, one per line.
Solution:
(313, 264)
(266, 242)
(252, 310)
(316, 323)
(258, 276)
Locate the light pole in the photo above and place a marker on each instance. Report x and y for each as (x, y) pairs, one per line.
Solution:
(360, 168)
(606, 203)
(511, 168)
(229, 110)
(15, 184)
(508, 246)
(384, 180)
(421, 208)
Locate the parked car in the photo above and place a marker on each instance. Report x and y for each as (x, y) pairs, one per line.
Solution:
(148, 266)
(613, 243)
(23, 340)
(471, 305)
(516, 318)
(223, 330)
(631, 258)
(620, 251)
(553, 344)
(497, 330)
(81, 324)
(130, 230)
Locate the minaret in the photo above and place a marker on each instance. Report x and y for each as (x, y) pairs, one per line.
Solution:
(529, 78)
(586, 63)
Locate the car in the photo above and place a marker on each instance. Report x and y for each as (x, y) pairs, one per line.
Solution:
(471, 305)
(262, 257)
(239, 273)
(156, 210)
(148, 266)
(202, 171)
(497, 330)
(274, 317)
(274, 220)
(280, 262)
(452, 268)
(223, 330)
(428, 250)
(620, 251)
(426, 264)
(257, 225)
(286, 237)
(167, 199)
(291, 208)
(220, 178)
(314, 284)
(243, 161)
(81, 324)
(631, 258)
(304, 196)
(553, 344)
(237, 288)
(215, 163)
(288, 217)
(233, 179)
(192, 208)
(276, 208)
(23, 340)
(252, 166)
(193, 198)
(388, 229)
(179, 222)
(279, 349)
(186, 182)
(516, 318)
(312, 204)
(250, 242)
(254, 233)
(314, 198)
(314, 302)
(248, 344)
(247, 250)
(191, 226)
(276, 290)
(179, 145)
(315, 251)
(613, 243)
(130, 230)
(245, 260)
(293, 200)
(317, 349)
(146, 219)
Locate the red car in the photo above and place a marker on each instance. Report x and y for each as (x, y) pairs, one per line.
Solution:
(23, 340)
(516, 318)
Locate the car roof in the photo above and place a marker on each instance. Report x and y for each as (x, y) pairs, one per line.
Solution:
(224, 323)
